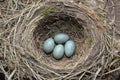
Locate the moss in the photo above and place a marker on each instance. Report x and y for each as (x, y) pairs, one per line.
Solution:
(89, 40)
(49, 10)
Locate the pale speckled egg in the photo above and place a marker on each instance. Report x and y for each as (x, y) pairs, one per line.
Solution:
(69, 48)
(58, 51)
(61, 38)
(49, 45)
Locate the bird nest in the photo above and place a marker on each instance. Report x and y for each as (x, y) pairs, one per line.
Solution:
(24, 55)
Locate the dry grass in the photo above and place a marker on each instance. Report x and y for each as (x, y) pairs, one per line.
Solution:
(24, 25)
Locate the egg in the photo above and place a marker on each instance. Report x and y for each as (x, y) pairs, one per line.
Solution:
(49, 45)
(61, 38)
(69, 48)
(58, 51)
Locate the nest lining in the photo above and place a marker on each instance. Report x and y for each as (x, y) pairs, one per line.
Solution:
(51, 25)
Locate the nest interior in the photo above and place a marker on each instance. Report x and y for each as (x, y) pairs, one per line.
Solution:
(57, 23)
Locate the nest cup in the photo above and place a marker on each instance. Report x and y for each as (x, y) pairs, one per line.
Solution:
(43, 22)
(57, 18)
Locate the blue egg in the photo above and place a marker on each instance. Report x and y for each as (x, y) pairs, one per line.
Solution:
(61, 38)
(49, 45)
(69, 48)
(58, 51)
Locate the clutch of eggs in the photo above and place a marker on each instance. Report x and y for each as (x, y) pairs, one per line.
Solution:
(59, 46)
